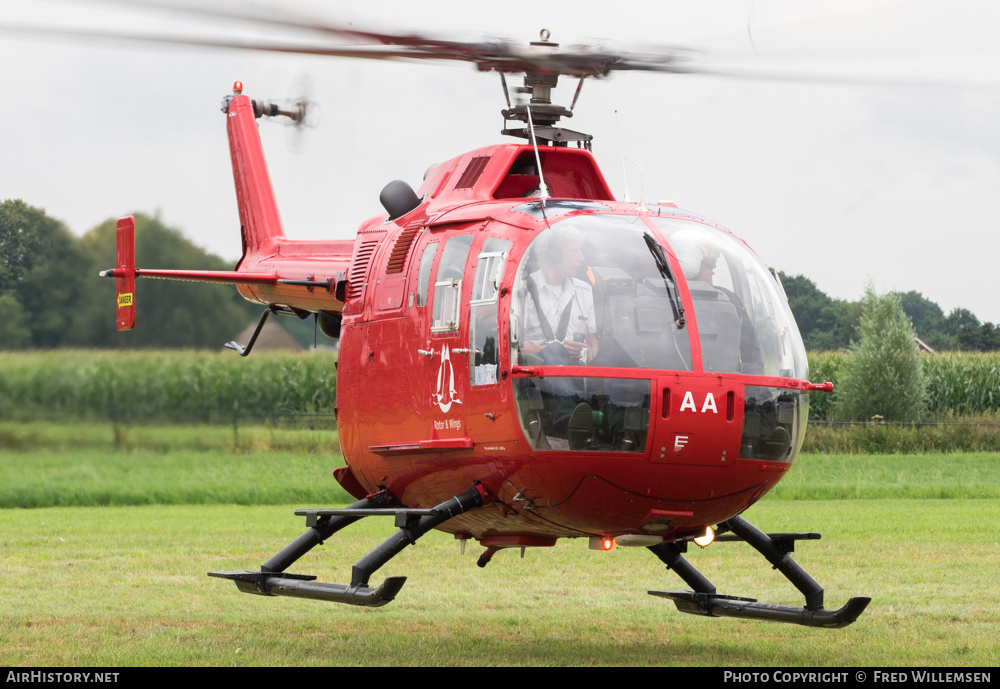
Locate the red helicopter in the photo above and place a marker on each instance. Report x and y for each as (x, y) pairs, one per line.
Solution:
(523, 357)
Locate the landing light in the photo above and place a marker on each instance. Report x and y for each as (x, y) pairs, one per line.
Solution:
(707, 538)
(604, 543)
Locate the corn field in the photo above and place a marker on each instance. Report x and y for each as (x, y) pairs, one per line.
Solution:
(958, 383)
(141, 385)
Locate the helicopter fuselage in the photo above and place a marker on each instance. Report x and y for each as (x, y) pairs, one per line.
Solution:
(685, 399)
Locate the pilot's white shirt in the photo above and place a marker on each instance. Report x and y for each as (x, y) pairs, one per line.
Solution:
(553, 299)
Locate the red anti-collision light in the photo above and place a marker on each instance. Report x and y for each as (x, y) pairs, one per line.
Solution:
(238, 88)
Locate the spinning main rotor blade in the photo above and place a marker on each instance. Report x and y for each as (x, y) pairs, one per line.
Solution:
(498, 55)
(371, 53)
(304, 24)
(540, 58)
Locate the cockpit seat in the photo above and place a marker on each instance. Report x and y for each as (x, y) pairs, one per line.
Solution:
(718, 327)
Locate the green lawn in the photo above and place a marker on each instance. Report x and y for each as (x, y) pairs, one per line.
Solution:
(125, 583)
(45, 465)
(127, 586)
(974, 475)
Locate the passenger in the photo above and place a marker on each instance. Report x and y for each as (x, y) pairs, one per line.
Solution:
(699, 256)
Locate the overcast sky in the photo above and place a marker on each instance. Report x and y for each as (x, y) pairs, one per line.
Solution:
(841, 183)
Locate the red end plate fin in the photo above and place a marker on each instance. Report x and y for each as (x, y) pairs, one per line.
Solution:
(125, 257)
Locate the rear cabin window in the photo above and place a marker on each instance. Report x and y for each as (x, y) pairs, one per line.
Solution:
(448, 286)
(424, 276)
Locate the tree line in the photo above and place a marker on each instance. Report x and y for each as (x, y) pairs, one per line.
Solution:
(51, 295)
(830, 324)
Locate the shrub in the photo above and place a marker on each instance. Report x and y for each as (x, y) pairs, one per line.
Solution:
(884, 376)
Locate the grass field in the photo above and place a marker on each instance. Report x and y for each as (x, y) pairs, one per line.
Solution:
(125, 584)
(92, 464)
(47, 465)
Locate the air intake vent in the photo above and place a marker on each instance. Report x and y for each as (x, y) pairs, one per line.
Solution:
(400, 250)
(359, 268)
(472, 173)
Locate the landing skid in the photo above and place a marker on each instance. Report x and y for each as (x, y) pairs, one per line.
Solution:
(272, 580)
(703, 599)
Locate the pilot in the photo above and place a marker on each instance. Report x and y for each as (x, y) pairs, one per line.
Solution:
(559, 322)
(559, 327)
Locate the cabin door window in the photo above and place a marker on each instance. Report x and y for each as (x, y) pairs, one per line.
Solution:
(483, 320)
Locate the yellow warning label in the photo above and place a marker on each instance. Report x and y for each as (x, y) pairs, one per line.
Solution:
(124, 300)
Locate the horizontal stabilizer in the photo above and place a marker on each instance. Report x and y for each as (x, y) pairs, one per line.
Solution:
(222, 277)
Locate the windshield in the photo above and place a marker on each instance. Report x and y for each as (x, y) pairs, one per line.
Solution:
(589, 292)
(596, 290)
(744, 322)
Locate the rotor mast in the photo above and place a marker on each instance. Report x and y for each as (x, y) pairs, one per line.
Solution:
(538, 84)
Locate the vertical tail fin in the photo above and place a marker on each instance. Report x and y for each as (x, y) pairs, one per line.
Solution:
(125, 260)
(259, 219)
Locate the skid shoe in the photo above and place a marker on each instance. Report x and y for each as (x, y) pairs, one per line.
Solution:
(703, 599)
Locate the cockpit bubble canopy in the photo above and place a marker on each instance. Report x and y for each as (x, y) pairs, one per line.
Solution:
(595, 280)
(744, 322)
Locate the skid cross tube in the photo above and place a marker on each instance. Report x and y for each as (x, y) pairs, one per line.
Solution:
(272, 580)
(703, 599)
(670, 555)
(414, 529)
(319, 531)
(780, 558)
